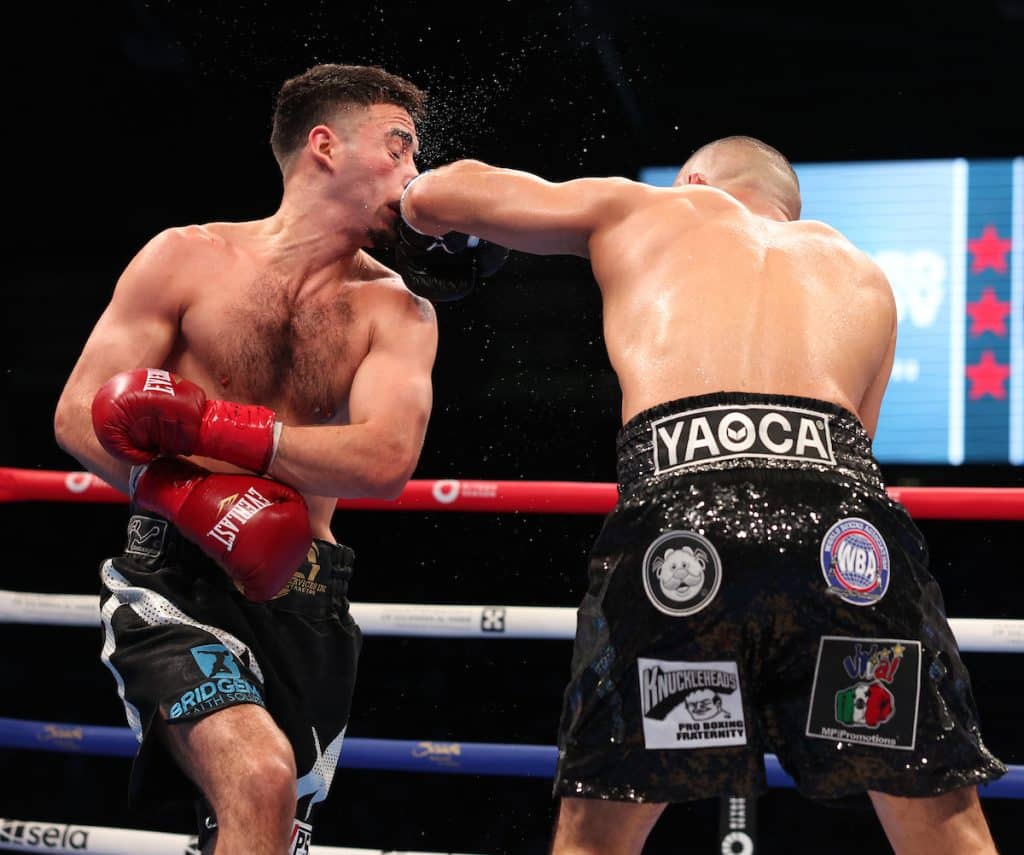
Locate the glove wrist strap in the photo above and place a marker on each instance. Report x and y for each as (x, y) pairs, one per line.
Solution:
(243, 434)
(401, 205)
(278, 427)
(134, 476)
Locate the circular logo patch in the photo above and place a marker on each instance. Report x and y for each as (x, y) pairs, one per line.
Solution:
(682, 572)
(855, 562)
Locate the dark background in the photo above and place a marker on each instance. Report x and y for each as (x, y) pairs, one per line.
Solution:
(124, 118)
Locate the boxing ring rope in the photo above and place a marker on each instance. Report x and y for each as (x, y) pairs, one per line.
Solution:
(980, 635)
(441, 621)
(21, 835)
(523, 497)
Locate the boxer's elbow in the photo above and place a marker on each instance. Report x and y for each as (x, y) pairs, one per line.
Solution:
(67, 428)
(60, 424)
(388, 490)
(390, 477)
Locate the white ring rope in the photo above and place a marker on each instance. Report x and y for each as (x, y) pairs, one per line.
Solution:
(980, 635)
(21, 835)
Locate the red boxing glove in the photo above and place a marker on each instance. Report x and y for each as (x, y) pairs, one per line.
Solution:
(255, 528)
(140, 414)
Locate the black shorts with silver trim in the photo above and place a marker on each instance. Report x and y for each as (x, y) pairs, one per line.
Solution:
(756, 590)
(181, 641)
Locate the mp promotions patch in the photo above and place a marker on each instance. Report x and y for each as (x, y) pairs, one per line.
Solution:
(866, 691)
(682, 573)
(855, 562)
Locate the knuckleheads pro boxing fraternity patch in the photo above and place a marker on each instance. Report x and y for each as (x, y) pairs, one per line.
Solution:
(855, 562)
(682, 573)
(691, 704)
(866, 691)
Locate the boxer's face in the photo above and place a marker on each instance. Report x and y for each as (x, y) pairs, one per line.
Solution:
(382, 145)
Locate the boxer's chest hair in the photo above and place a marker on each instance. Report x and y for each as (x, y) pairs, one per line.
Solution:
(287, 354)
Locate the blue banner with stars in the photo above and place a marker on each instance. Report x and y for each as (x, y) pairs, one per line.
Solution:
(987, 338)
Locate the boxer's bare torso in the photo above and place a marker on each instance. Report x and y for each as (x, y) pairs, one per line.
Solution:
(702, 295)
(223, 306)
(703, 291)
(259, 337)
(700, 292)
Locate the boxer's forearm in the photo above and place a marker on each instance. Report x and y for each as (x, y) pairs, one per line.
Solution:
(346, 462)
(449, 198)
(508, 207)
(72, 426)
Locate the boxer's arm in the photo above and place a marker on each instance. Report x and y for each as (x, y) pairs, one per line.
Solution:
(389, 406)
(516, 209)
(137, 328)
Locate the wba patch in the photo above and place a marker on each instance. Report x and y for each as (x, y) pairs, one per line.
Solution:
(866, 691)
(855, 562)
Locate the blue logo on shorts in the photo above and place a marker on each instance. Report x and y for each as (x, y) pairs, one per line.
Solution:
(855, 562)
(224, 685)
(215, 660)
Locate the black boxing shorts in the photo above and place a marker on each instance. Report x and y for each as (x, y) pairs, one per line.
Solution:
(180, 639)
(756, 590)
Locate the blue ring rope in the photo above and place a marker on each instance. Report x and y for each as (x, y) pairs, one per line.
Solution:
(396, 755)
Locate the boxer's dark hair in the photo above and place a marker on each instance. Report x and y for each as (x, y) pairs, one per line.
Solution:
(318, 94)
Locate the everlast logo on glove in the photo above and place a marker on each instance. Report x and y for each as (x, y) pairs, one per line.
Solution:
(227, 527)
(720, 433)
(158, 380)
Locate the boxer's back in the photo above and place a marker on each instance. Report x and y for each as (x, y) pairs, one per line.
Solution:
(702, 295)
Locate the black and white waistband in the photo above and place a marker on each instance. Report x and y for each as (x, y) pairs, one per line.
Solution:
(728, 430)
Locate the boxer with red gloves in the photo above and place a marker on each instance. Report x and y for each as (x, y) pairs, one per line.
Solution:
(263, 537)
(226, 616)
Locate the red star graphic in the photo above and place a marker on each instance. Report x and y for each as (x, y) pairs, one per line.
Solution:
(989, 251)
(989, 313)
(987, 377)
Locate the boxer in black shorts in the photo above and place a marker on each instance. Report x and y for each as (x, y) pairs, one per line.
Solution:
(755, 589)
(181, 640)
(243, 377)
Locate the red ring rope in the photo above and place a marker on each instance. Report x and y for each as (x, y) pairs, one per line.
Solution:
(548, 497)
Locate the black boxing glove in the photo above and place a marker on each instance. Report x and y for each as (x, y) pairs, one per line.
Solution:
(446, 268)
